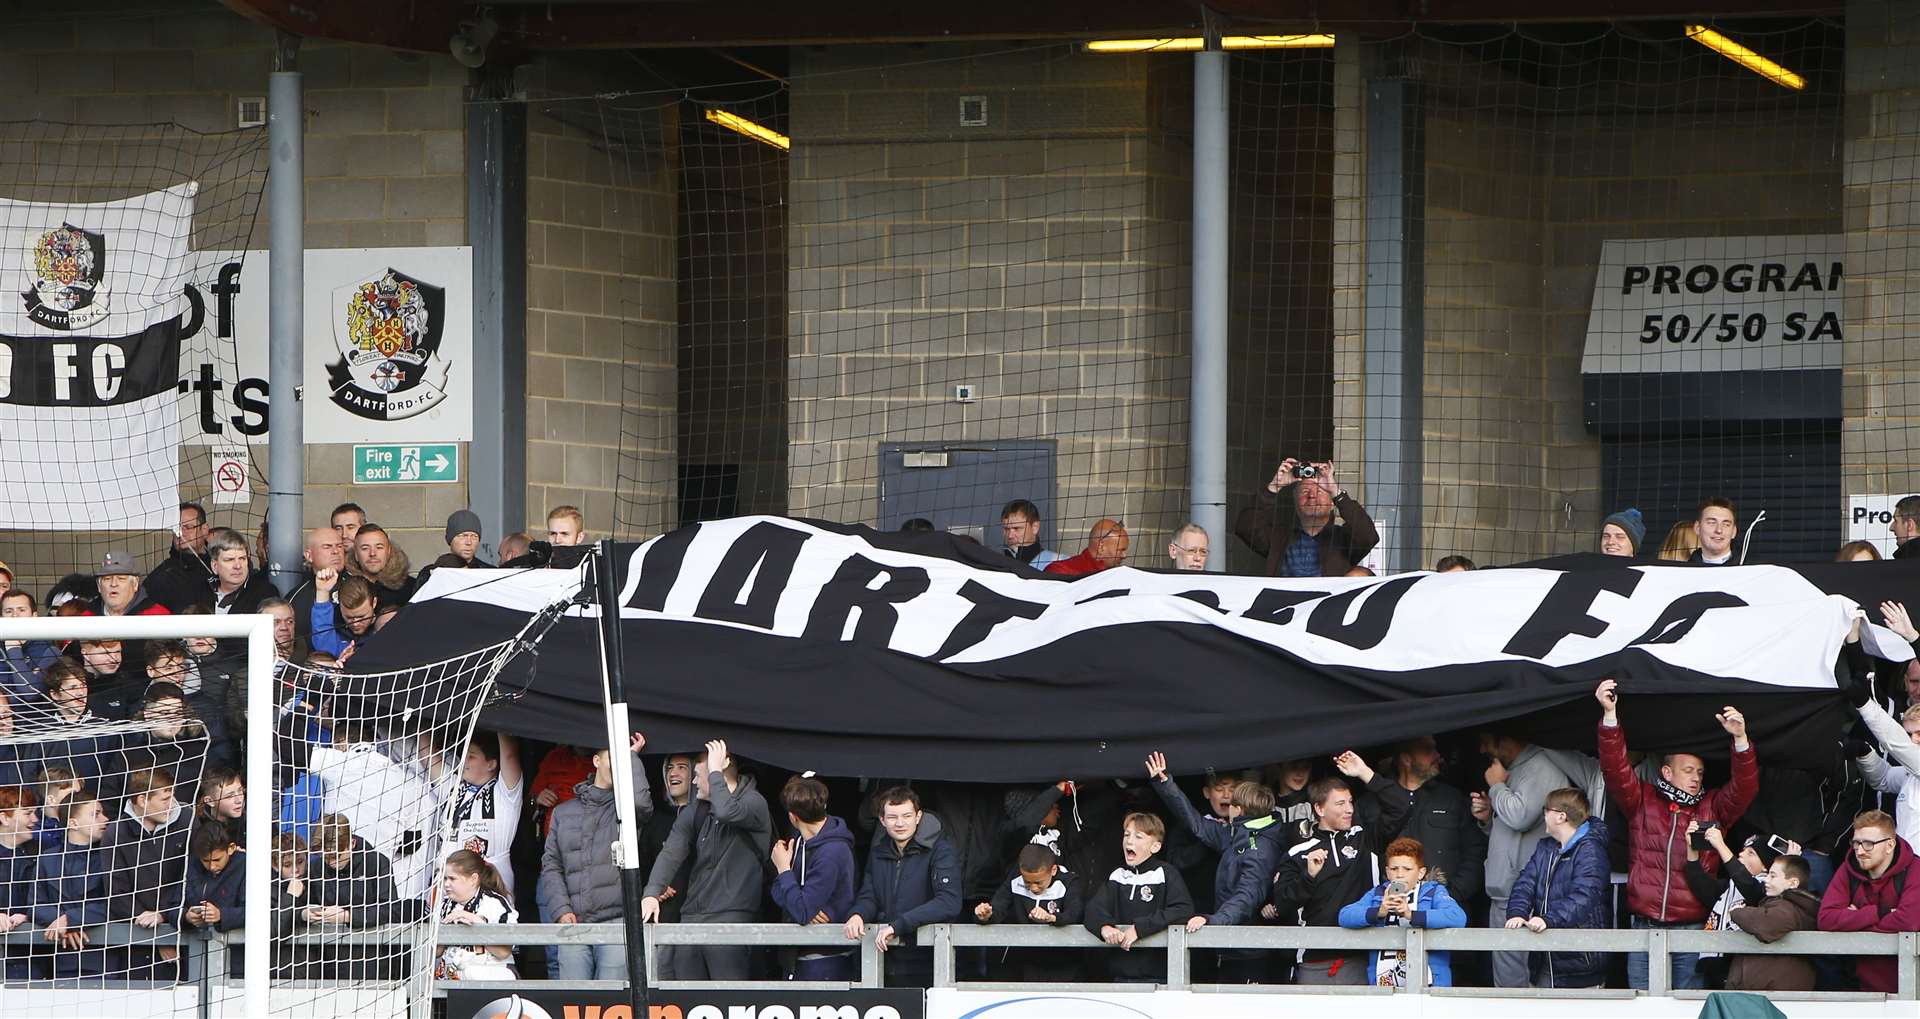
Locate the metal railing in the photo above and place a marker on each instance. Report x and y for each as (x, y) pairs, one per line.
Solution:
(204, 952)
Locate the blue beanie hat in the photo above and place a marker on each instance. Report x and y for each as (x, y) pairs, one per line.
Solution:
(1630, 521)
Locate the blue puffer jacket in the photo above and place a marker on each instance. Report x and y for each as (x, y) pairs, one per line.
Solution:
(1568, 887)
(1432, 908)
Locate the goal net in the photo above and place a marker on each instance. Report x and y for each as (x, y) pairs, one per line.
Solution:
(192, 824)
(122, 388)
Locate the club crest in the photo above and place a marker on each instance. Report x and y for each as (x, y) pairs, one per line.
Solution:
(66, 290)
(1349, 852)
(388, 330)
(1146, 893)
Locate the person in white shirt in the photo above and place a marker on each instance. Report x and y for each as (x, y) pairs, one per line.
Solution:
(485, 810)
(386, 804)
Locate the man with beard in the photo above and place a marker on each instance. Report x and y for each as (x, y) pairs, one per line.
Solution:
(1440, 817)
(384, 565)
(676, 781)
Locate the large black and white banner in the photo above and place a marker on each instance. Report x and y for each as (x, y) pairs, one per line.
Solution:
(830, 647)
(93, 307)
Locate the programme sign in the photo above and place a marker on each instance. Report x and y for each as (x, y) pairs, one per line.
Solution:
(1701, 304)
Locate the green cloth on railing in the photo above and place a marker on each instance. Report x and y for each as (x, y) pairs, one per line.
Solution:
(1739, 1005)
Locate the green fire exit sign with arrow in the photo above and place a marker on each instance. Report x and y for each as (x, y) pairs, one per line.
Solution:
(429, 463)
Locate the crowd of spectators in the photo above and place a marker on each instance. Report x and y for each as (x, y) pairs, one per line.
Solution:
(145, 825)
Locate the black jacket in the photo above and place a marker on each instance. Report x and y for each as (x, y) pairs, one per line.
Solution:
(1065, 899)
(364, 886)
(149, 867)
(1352, 868)
(227, 890)
(907, 888)
(1698, 559)
(258, 588)
(1440, 816)
(180, 581)
(1149, 898)
(1268, 527)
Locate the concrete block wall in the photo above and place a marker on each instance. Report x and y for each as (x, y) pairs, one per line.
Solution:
(1485, 493)
(601, 303)
(384, 165)
(1747, 174)
(1042, 258)
(1519, 201)
(1880, 437)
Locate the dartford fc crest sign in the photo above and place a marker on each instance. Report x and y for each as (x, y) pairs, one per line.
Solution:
(66, 291)
(388, 328)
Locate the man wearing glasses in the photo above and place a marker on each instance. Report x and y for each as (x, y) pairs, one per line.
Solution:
(1876, 889)
(181, 580)
(1657, 816)
(1188, 549)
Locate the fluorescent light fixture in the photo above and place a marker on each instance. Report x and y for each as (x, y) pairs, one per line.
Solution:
(1228, 42)
(741, 125)
(1745, 57)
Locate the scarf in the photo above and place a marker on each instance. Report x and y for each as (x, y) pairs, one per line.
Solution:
(1684, 799)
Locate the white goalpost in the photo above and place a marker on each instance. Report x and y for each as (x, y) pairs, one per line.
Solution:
(257, 630)
(351, 782)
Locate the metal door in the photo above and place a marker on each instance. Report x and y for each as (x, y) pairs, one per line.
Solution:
(961, 486)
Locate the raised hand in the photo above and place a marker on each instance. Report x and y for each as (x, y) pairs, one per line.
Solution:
(1157, 766)
(1353, 766)
(1733, 721)
(1608, 697)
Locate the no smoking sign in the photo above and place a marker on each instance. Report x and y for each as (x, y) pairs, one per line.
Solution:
(232, 476)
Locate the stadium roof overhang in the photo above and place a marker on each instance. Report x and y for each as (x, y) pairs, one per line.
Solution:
(528, 25)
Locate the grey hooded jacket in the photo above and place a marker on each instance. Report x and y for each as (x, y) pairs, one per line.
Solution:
(728, 835)
(577, 874)
(1518, 824)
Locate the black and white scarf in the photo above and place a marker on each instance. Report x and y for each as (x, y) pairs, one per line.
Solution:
(1674, 793)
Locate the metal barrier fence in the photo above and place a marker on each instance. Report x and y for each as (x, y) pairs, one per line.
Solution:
(204, 953)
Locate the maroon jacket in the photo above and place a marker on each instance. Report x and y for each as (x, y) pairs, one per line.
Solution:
(1889, 904)
(1657, 829)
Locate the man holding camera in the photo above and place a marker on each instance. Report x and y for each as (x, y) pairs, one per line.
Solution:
(1293, 524)
(1657, 817)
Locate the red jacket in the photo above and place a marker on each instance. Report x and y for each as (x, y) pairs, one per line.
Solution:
(1077, 566)
(1657, 829)
(1888, 904)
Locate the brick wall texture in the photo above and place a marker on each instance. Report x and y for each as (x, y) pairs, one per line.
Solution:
(1042, 257)
(1882, 219)
(384, 162)
(601, 304)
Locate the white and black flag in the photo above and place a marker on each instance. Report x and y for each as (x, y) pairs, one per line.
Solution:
(94, 303)
(826, 646)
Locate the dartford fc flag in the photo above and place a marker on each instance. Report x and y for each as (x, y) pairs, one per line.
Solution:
(93, 306)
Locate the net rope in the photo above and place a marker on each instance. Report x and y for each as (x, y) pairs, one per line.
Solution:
(932, 227)
(121, 824)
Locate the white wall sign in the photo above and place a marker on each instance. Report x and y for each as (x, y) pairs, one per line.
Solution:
(1700, 304)
(382, 363)
(1869, 518)
(232, 474)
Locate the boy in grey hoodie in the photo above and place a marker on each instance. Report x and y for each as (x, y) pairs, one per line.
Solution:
(727, 832)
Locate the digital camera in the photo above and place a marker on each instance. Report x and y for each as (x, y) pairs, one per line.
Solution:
(1305, 471)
